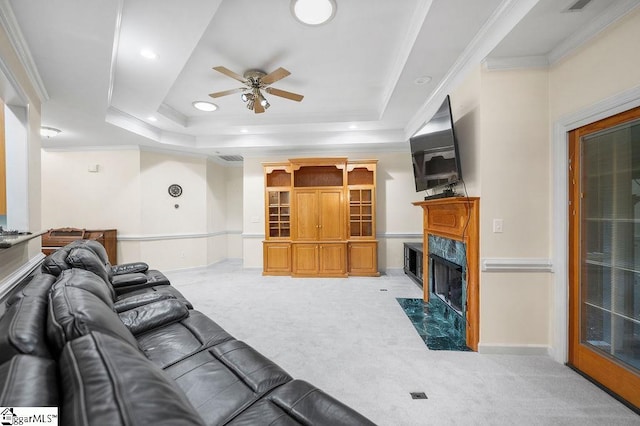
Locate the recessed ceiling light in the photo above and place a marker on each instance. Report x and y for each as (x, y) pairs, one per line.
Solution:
(244, 131)
(148, 53)
(313, 12)
(353, 126)
(422, 80)
(152, 118)
(49, 132)
(204, 106)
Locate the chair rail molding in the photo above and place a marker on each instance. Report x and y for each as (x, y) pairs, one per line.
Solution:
(516, 265)
(159, 237)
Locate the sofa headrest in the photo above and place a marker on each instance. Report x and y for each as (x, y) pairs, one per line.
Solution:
(22, 329)
(28, 381)
(112, 383)
(88, 281)
(75, 312)
(56, 262)
(38, 286)
(95, 247)
(84, 258)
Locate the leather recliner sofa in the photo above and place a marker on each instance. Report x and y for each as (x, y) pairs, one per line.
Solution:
(64, 343)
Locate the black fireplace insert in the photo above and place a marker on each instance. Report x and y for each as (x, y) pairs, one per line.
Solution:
(446, 281)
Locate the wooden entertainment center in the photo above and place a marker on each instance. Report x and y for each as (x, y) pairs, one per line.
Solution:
(320, 218)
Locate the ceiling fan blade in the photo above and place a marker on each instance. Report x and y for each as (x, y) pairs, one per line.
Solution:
(257, 107)
(274, 76)
(229, 73)
(227, 92)
(284, 94)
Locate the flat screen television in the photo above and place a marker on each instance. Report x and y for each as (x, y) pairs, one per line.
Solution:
(434, 152)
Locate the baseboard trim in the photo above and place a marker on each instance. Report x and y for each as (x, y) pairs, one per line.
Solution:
(489, 349)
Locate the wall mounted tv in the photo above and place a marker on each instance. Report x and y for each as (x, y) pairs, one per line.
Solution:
(434, 152)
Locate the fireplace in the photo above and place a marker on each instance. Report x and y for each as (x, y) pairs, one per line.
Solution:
(451, 231)
(446, 282)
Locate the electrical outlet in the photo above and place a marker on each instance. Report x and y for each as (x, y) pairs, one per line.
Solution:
(497, 226)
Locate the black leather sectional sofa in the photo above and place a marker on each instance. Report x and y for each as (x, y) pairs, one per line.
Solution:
(121, 346)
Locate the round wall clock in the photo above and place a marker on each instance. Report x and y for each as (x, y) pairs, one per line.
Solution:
(175, 190)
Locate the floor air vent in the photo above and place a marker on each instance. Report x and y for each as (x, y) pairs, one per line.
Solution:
(231, 158)
(418, 395)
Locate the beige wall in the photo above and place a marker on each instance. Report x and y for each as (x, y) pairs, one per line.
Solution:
(604, 67)
(129, 193)
(74, 197)
(397, 219)
(515, 188)
(501, 122)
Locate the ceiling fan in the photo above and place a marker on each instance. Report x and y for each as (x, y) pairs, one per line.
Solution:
(255, 82)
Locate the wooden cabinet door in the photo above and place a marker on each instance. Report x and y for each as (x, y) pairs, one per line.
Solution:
(277, 258)
(305, 259)
(306, 215)
(363, 258)
(333, 259)
(331, 215)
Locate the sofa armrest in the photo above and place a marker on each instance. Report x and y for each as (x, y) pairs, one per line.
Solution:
(153, 315)
(129, 268)
(126, 280)
(138, 300)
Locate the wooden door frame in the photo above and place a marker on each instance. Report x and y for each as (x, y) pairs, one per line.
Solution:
(603, 108)
(610, 373)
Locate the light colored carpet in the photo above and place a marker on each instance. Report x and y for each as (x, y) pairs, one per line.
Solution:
(354, 341)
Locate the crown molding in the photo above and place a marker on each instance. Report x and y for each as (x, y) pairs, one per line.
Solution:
(611, 15)
(91, 148)
(20, 46)
(568, 46)
(516, 63)
(500, 23)
(415, 26)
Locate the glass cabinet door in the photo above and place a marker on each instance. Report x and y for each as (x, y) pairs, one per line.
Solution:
(279, 221)
(361, 212)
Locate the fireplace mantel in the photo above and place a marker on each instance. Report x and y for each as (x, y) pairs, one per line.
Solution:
(456, 218)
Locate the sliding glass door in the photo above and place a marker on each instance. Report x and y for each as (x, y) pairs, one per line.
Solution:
(605, 253)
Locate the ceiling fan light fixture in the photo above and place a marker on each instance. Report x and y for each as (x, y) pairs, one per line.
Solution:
(250, 104)
(313, 12)
(204, 106)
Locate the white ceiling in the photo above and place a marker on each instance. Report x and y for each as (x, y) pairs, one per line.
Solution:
(357, 72)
